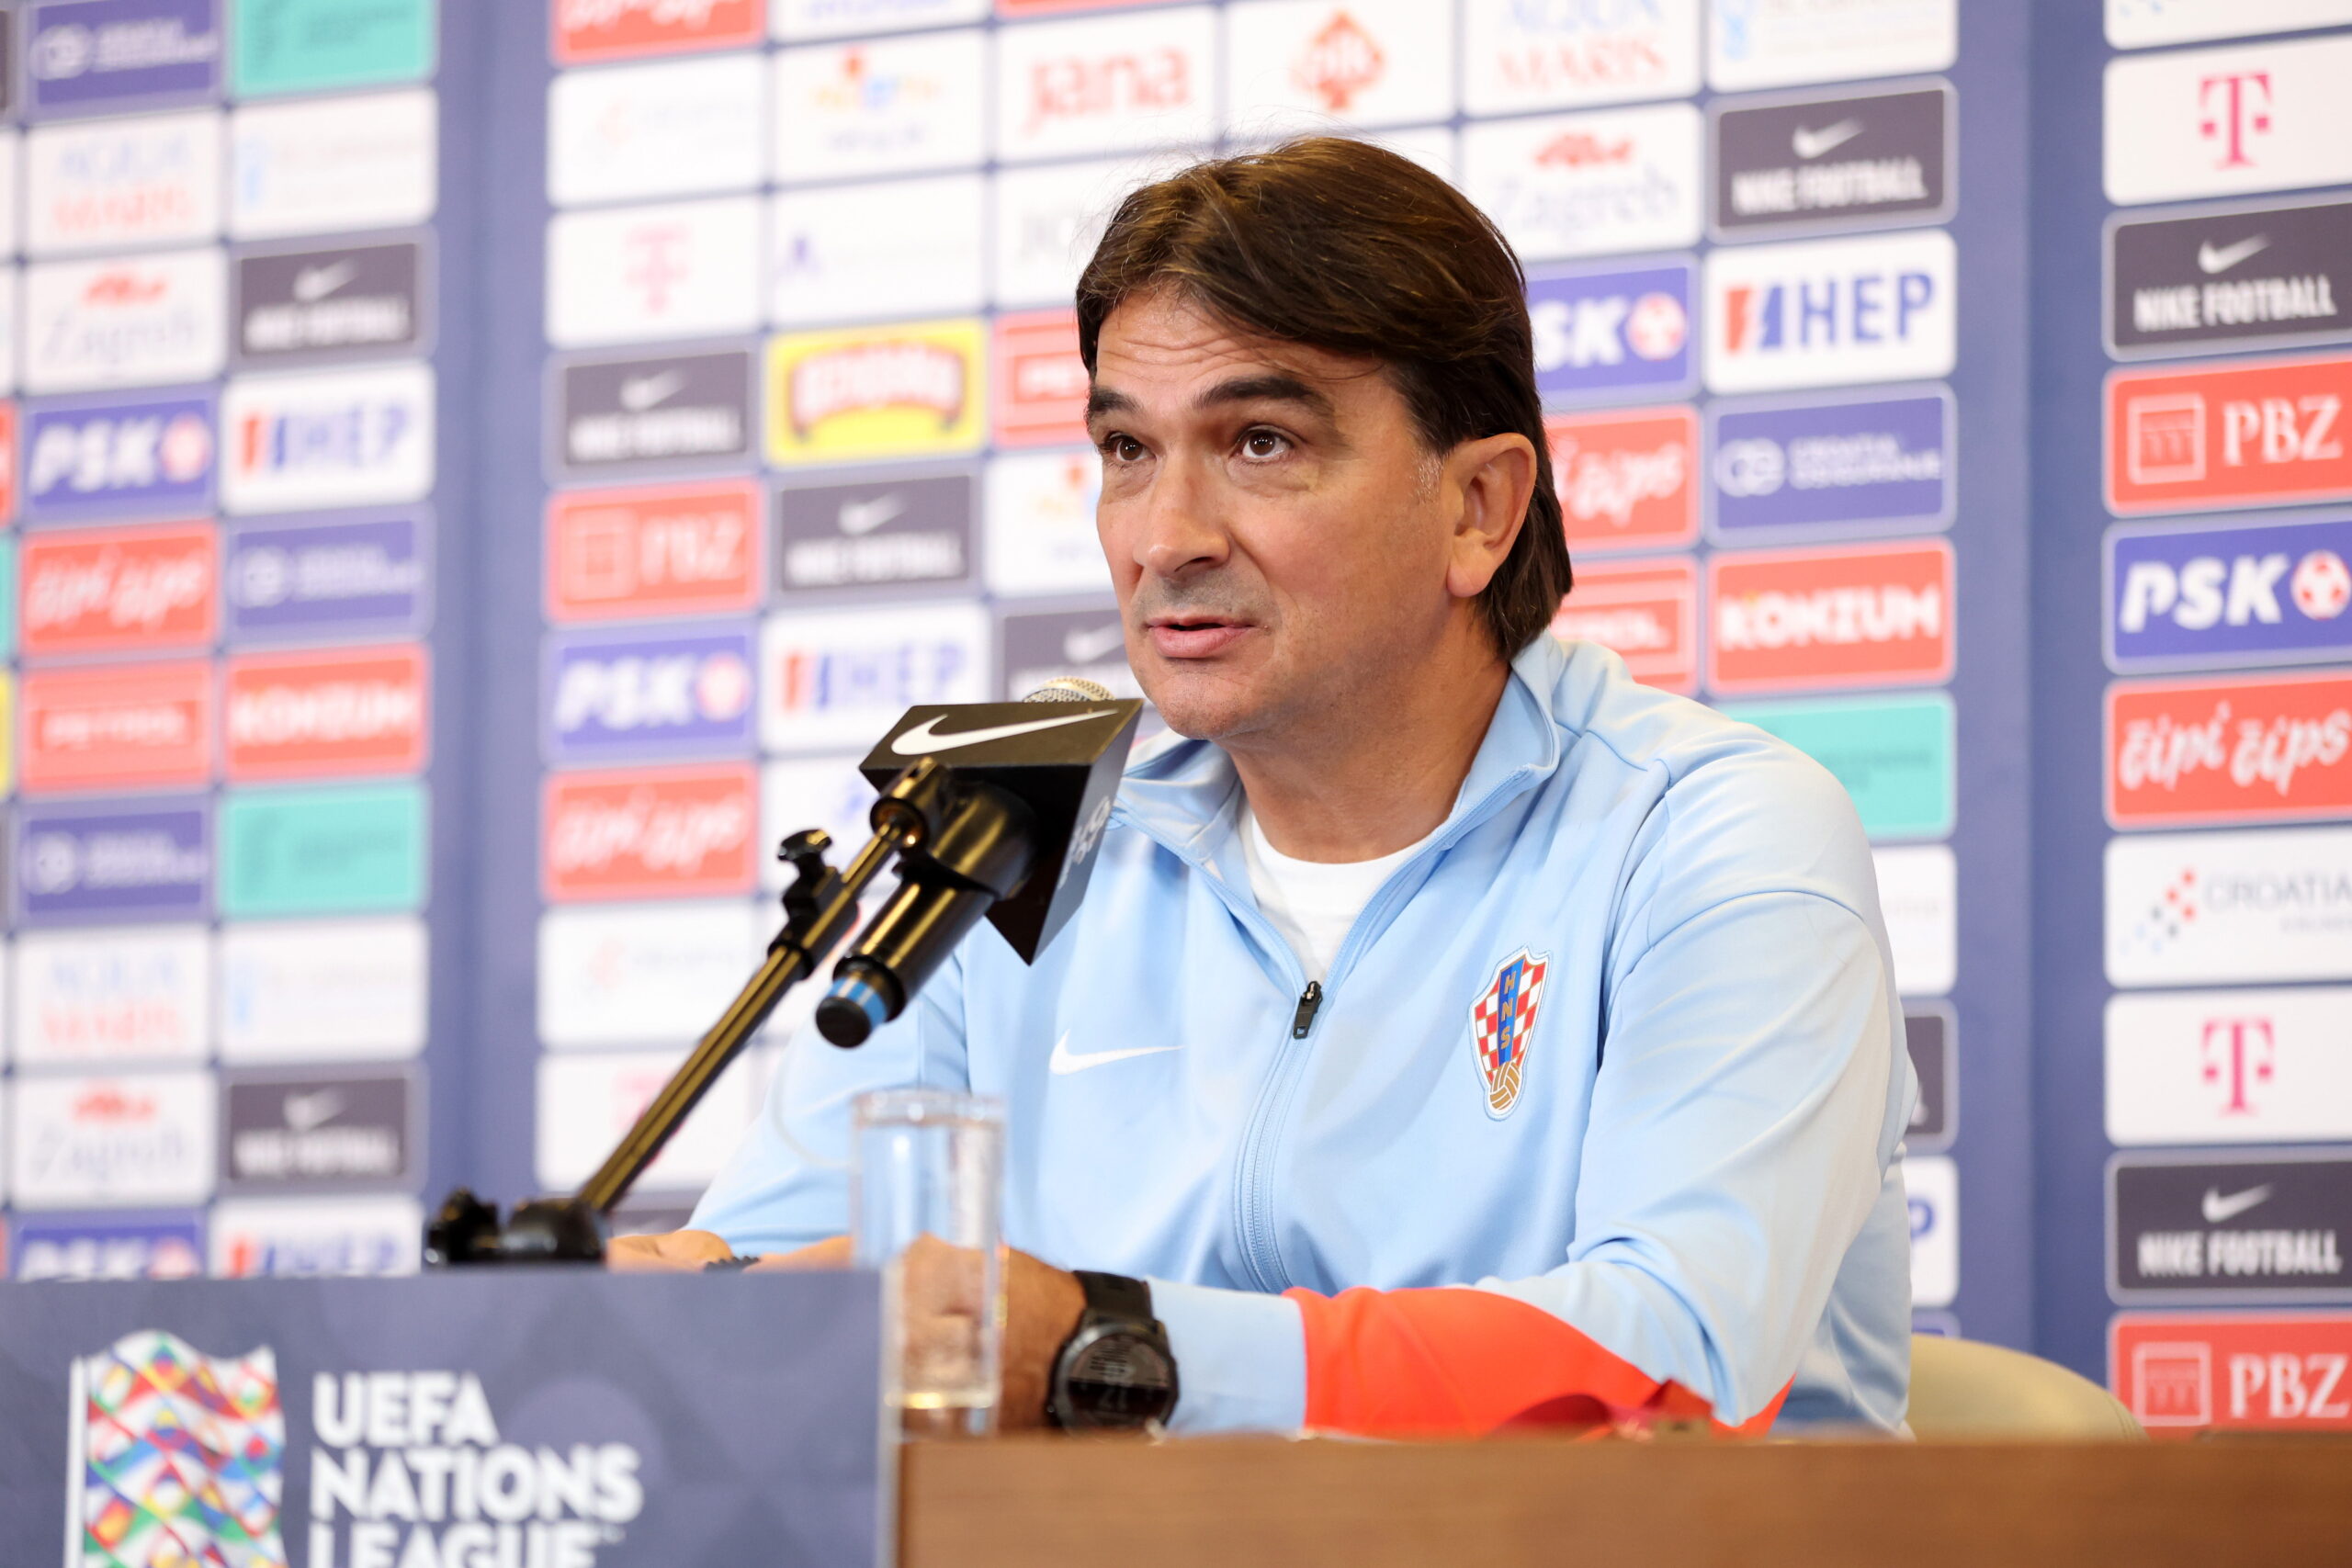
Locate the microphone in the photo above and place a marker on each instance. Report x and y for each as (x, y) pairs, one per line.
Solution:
(1000, 816)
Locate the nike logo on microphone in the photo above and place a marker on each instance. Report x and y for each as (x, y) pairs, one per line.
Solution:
(2219, 1210)
(922, 740)
(1063, 1062)
(2211, 259)
(1812, 144)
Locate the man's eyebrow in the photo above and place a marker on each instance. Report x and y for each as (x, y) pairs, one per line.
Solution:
(1269, 388)
(1106, 399)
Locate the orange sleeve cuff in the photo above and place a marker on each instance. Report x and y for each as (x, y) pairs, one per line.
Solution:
(1463, 1362)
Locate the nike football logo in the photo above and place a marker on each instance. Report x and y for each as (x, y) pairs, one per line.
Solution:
(305, 1112)
(859, 518)
(2219, 1210)
(2211, 259)
(1812, 144)
(1063, 1062)
(921, 741)
(1085, 648)
(641, 392)
(314, 284)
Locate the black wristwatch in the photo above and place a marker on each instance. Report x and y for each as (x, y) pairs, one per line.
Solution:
(1116, 1371)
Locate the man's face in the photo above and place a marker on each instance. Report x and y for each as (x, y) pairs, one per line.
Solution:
(1277, 532)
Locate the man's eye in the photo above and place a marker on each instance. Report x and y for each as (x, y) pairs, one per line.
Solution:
(1265, 443)
(1122, 448)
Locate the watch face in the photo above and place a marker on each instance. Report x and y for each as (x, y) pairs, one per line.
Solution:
(1119, 1379)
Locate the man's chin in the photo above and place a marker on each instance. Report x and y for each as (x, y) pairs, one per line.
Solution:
(1201, 707)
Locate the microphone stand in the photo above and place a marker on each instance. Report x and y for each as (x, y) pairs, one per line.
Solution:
(819, 908)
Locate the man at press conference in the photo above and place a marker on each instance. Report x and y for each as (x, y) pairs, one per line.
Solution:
(1456, 1033)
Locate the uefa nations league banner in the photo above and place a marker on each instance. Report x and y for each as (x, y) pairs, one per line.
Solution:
(522, 1419)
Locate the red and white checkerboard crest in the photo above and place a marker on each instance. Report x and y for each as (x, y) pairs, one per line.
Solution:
(1502, 1020)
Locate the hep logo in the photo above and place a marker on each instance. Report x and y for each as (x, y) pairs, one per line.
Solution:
(2240, 1053)
(2236, 106)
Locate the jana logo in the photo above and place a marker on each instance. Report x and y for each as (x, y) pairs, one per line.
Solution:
(176, 1457)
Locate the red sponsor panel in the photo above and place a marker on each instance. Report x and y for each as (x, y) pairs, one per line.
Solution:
(1646, 612)
(2258, 749)
(117, 727)
(2181, 1374)
(2248, 432)
(619, 29)
(1628, 479)
(670, 550)
(8, 461)
(1055, 7)
(108, 590)
(650, 833)
(1041, 383)
(330, 713)
(1858, 615)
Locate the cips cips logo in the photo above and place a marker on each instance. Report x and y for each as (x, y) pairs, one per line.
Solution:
(403, 1455)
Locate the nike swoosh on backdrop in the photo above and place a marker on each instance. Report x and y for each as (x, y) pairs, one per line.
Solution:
(2219, 1210)
(314, 284)
(1812, 144)
(641, 392)
(921, 741)
(2212, 259)
(858, 518)
(1085, 648)
(1063, 1062)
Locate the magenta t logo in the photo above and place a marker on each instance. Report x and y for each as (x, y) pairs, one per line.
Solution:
(2245, 1055)
(2243, 110)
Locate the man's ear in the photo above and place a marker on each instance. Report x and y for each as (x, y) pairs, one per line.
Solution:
(1491, 481)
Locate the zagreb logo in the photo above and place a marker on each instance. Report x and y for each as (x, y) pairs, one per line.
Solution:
(1502, 1020)
(175, 1456)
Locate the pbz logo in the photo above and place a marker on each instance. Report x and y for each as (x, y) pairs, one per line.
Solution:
(1600, 332)
(123, 456)
(2212, 598)
(645, 698)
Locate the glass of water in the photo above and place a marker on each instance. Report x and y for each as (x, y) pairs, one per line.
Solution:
(926, 1197)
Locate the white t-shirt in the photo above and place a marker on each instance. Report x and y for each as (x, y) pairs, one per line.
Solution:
(1313, 903)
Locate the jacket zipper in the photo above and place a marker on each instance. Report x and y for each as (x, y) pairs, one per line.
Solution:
(1309, 1000)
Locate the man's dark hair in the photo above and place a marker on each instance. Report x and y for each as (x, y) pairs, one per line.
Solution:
(1350, 248)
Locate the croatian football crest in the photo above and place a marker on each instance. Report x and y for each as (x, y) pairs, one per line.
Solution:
(176, 1458)
(1501, 1022)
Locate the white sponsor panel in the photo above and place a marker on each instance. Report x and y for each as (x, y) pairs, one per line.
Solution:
(674, 127)
(1590, 184)
(888, 106)
(680, 269)
(111, 1141)
(1825, 312)
(1919, 897)
(322, 166)
(153, 180)
(869, 251)
(1519, 56)
(1047, 222)
(2220, 121)
(2190, 908)
(2136, 24)
(792, 20)
(125, 995)
(11, 282)
(1306, 65)
(1933, 1183)
(587, 1103)
(1040, 524)
(327, 438)
(1777, 44)
(323, 990)
(1106, 84)
(2235, 1066)
(314, 1237)
(835, 678)
(141, 321)
(813, 792)
(9, 188)
(639, 974)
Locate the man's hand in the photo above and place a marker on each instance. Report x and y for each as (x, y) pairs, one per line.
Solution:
(677, 1251)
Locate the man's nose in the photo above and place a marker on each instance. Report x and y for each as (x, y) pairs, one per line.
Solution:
(1181, 532)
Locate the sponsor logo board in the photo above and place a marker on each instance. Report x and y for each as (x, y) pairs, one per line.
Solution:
(326, 713)
(122, 726)
(1613, 333)
(124, 321)
(2136, 24)
(1037, 646)
(1860, 616)
(879, 106)
(126, 995)
(874, 392)
(795, 19)
(682, 410)
(96, 55)
(1041, 383)
(1830, 467)
(328, 438)
(676, 270)
(111, 1141)
(309, 46)
(2192, 1229)
(1895, 755)
(652, 833)
(2242, 434)
(858, 251)
(154, 455)
(2195, 908)
(2219, 122)
(1860, 161)
(341, 301)
(7, 468)
(2235, 1066)
(300, 579)
(630, 974)
(1918, 894)
(1646, 612)
(834, 679)
(2260, 277)
(625, 695)
(1930, 1036)
(1107, 84)
(1876, 308)
(1933, 1185)
(353, 850)
(1046, 221)
(905, 528)
(2183, 596)
(323, 990)
(2180, 1373)
(1627, 479)
(1781, 43)
(811, 792)
(164, 1245)
(675, 550)
(2251, 749)
(1041, 536)
(119, 588)
(1590, 184)
(587, 1103)
(675, 128)
(1300, 66)
(333, 165)
(147, 861)
(256, 1239)
(586, 31)
(282, 1131)
(152, 180)
(1518, 57)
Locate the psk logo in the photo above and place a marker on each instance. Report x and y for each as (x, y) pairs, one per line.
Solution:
(1502, 1020)
(176, 1457)
(2322, 585)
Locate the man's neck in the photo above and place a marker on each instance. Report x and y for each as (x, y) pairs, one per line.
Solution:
(1381, 778)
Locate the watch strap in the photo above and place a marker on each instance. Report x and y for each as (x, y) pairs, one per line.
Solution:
(1116, 1295)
